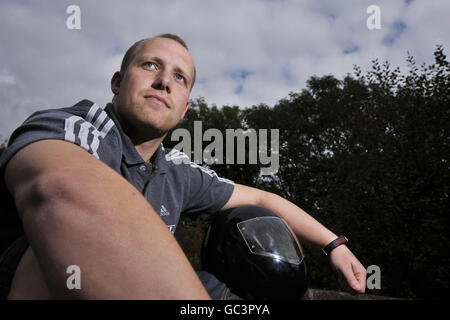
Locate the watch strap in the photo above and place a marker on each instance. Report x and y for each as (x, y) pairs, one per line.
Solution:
(334, 244)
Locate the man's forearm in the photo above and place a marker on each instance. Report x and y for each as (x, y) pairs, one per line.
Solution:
(303, 225)
(124, 250)
(89, 216)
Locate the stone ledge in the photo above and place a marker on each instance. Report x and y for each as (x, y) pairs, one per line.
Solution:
(319, 294)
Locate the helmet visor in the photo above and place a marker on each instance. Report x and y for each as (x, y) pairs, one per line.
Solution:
(269, 236)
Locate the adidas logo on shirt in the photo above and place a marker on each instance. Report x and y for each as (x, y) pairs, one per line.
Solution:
(164, 211)
(171, 228)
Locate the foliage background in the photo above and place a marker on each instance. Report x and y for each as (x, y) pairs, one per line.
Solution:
(367, 156)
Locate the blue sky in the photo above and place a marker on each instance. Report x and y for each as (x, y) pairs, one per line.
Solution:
(246, 52)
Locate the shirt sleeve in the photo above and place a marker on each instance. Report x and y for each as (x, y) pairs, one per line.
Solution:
(207, 191)
(85, 124)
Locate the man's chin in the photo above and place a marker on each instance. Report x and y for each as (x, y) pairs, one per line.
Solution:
(144, 131)
(152, 132)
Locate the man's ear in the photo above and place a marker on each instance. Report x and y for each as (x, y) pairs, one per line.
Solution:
(115, 82)
(185, 110)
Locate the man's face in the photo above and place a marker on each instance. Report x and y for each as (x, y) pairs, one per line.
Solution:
(153, 94)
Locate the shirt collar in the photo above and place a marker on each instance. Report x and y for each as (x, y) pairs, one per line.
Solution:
(129, 153)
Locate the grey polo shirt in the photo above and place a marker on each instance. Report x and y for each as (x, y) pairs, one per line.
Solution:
(170, 182)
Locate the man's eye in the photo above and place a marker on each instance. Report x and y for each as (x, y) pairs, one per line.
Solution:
(180, 77)
(149, 64)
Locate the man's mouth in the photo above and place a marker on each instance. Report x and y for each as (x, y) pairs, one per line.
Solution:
(158, 98)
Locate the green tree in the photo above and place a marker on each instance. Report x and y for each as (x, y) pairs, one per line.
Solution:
(368, 157)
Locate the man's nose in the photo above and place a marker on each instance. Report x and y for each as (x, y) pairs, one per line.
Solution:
(162, 82)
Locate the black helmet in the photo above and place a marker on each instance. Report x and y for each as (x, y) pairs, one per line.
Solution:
(255, 254)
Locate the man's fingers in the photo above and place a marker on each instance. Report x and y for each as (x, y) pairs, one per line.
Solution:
(344, 284)
(352, 274)
(353, 279)
(360, 275)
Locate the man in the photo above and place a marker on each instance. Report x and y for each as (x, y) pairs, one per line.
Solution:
(102, 210)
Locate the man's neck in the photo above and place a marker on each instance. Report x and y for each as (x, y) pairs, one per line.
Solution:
(145, 144)
(148, 148)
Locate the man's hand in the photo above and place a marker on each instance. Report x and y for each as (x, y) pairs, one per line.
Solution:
(351, 273)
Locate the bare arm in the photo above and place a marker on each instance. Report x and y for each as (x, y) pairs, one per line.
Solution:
(78, 211)
(308, 229)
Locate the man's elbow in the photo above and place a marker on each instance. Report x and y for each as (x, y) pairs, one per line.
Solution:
(43, 196)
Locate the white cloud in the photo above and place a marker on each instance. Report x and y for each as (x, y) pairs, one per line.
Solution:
(280, 43)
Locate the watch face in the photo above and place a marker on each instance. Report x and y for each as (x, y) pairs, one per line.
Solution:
(340, 240)
(334, 244)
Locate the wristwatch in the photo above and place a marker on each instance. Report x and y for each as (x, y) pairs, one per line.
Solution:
(334, 244)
